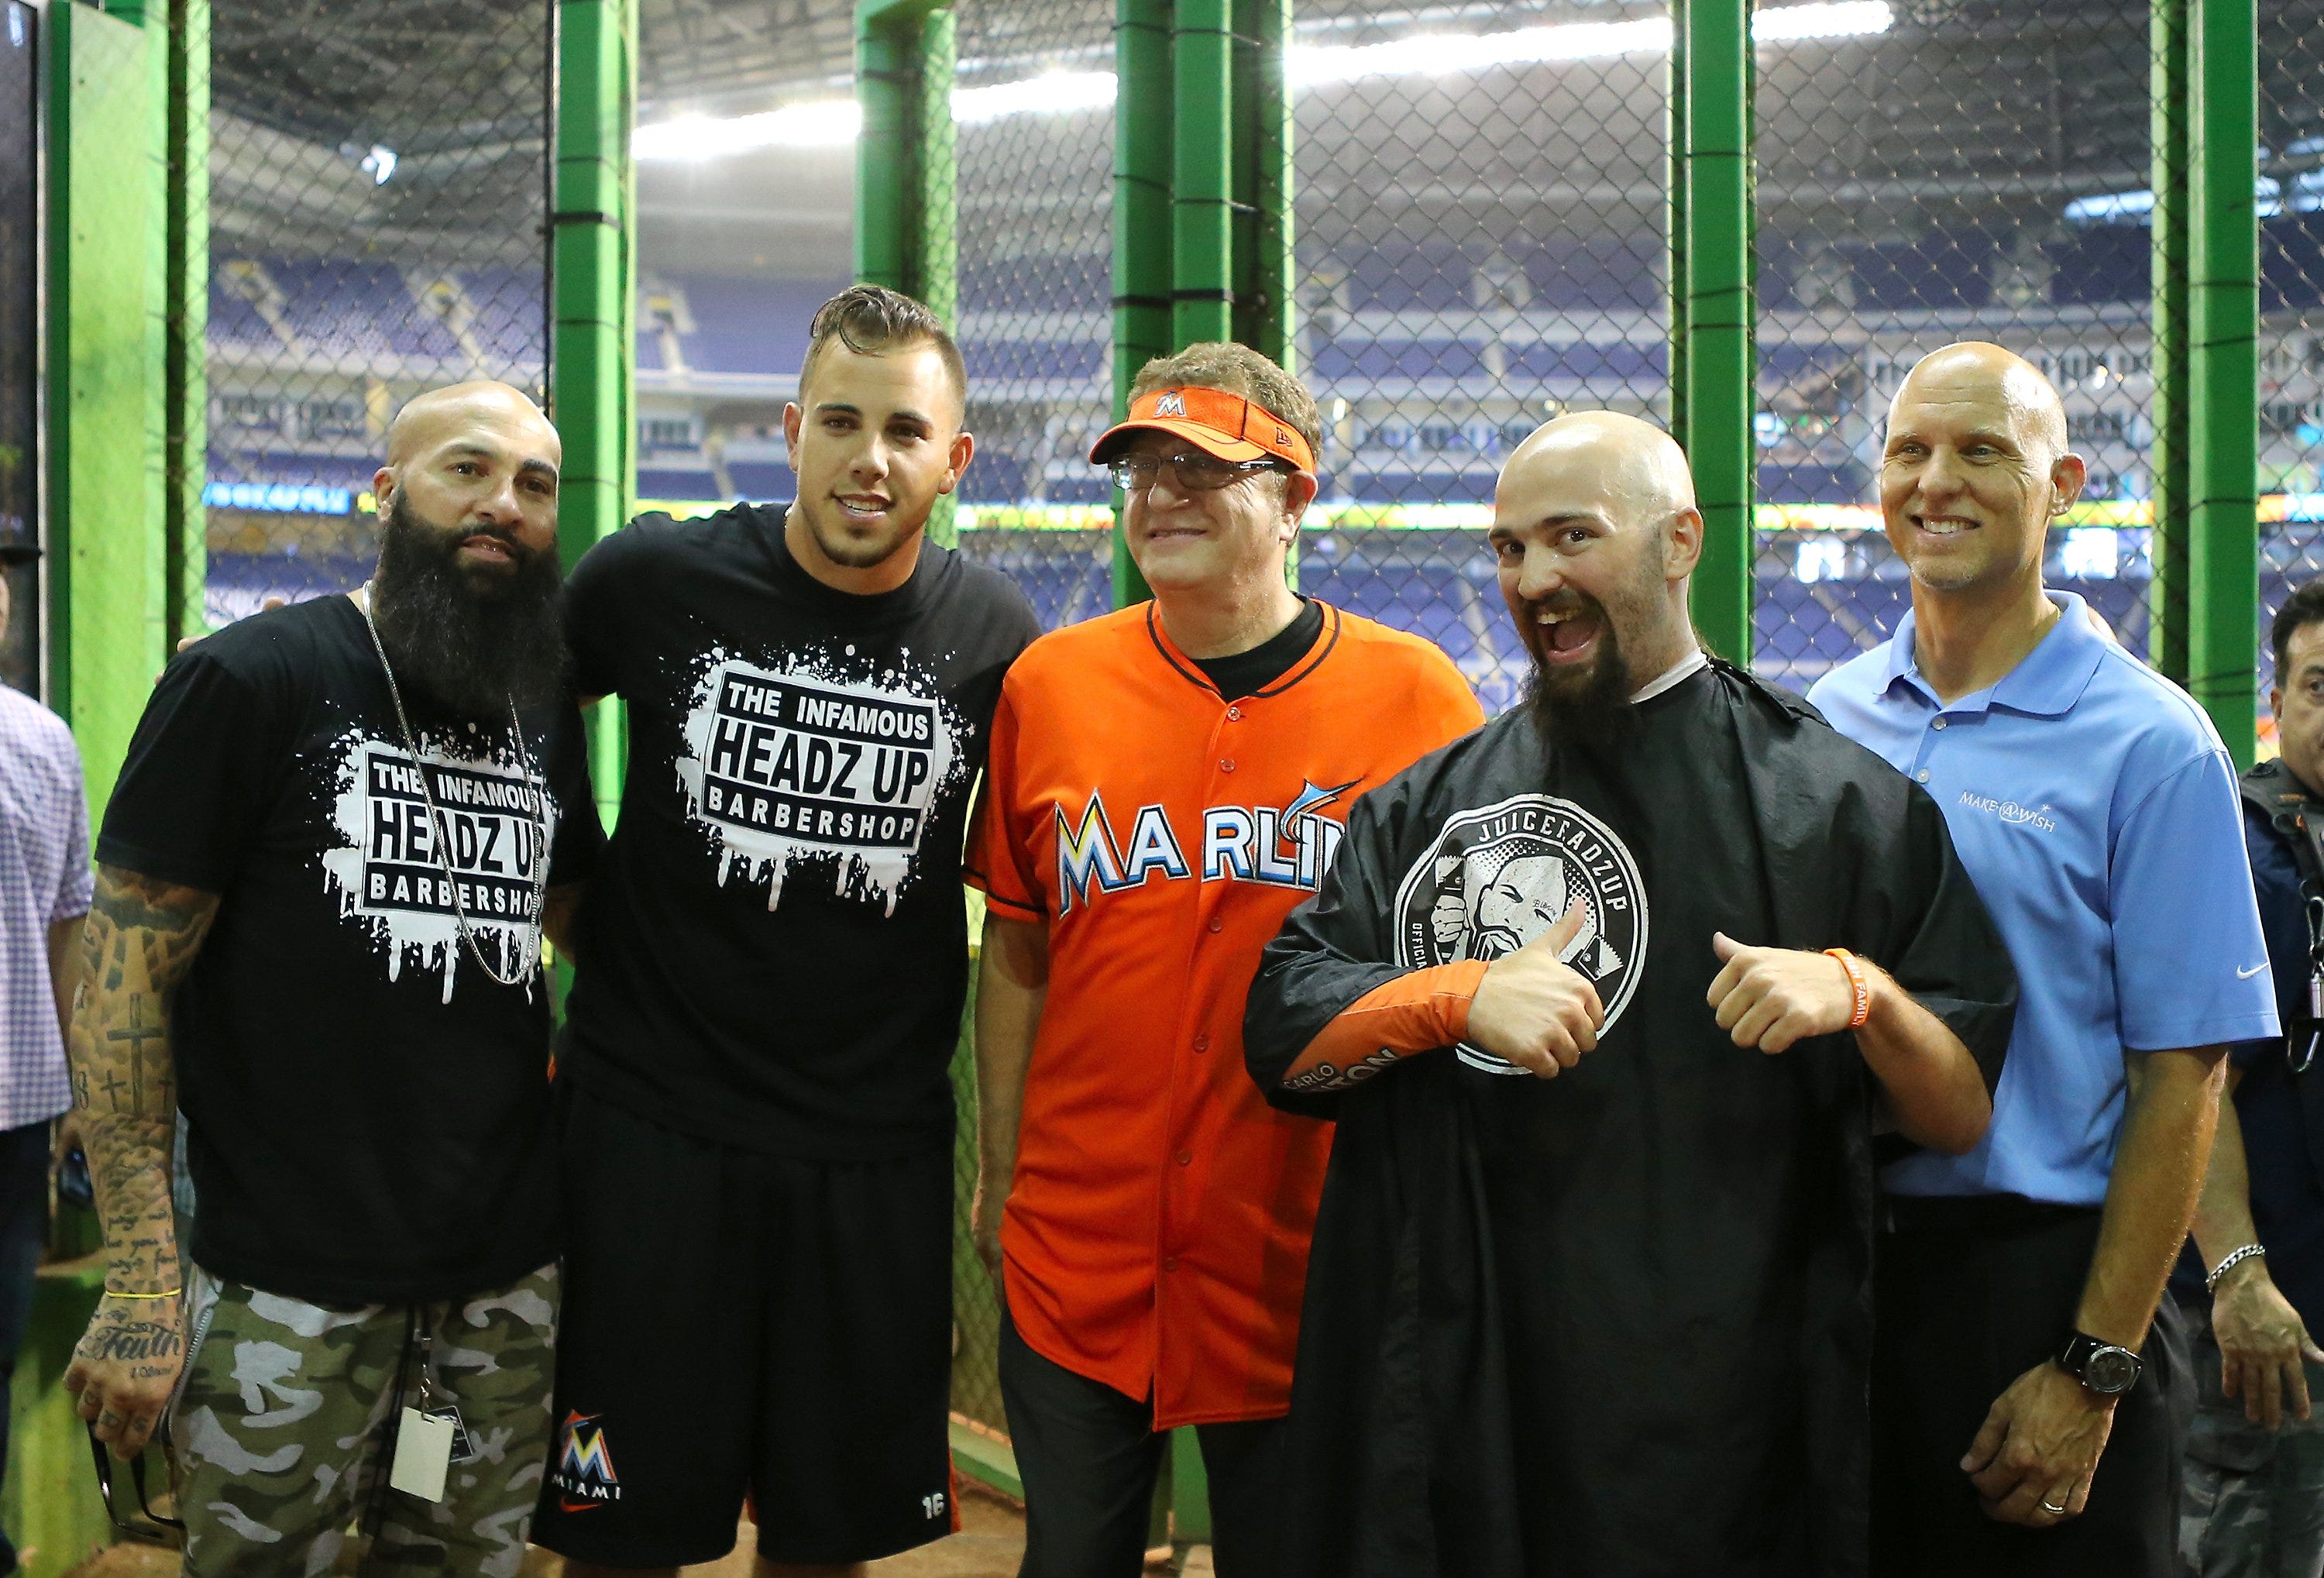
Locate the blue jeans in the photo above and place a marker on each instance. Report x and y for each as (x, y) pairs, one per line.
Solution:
(24, 1233)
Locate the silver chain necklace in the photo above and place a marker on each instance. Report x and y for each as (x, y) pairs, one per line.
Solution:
(540, 793)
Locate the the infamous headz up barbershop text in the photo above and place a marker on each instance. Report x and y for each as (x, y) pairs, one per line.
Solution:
(786, 766)
(410, 874)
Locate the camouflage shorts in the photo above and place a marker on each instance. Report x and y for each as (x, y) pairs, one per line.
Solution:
(284, 1428)
(2253, 1503)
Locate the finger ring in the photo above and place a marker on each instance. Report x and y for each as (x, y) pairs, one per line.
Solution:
(2053, 1509)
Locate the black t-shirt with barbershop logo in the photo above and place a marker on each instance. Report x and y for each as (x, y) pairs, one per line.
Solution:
(775, 955)
(368, 1110)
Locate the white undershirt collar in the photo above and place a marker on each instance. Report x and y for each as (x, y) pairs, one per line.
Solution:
(1694, 662)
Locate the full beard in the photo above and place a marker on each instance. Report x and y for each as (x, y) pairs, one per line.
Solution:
(475, 641)
(1590, 709)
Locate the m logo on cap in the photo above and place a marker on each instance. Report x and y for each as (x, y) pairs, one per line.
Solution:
(1173, 404)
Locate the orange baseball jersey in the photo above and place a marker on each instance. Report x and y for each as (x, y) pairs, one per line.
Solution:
(1156, 1236)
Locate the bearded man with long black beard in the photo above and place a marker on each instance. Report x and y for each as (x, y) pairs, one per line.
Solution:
(322, 884)
(1590, 1275)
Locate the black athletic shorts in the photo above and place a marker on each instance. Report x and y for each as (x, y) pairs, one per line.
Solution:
(736, 1322)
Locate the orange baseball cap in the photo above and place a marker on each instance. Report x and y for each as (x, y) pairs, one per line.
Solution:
(1225, 425)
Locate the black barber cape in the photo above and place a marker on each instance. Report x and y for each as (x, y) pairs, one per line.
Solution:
(1619, 1322)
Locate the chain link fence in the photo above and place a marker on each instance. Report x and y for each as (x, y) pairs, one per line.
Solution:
(378, 227)
(1034, 324)
(1477, 250)
(2292, 307)
(1979, 170)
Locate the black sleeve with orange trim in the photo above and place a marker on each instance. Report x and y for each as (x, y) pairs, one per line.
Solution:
(1001, 862)
(1327, 988)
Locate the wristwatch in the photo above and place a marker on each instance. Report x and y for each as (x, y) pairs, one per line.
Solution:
(2102, 1367)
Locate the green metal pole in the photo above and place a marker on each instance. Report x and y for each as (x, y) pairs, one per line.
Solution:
(1141, 219)
(1675, 233)
(1715, 124)
(886, 184)
(1264, 276)
(1202, 172)
(187, 237)
(2171, 122)
(107, 317)
(906, 191)
(592, 362)
(2223, 372)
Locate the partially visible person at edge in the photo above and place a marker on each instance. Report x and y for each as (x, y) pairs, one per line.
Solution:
(1167, 782)
(44, 891)
(2025, 1387)
(757, 1103)
(323, 880)
(2252, 1281)
(1611, 996)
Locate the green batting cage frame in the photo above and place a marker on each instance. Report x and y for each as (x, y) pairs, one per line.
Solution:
(1202, 247)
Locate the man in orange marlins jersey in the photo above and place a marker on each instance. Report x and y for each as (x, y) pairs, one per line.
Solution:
(1165, 784)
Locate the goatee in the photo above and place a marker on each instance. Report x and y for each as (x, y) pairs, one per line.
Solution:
(472, 639)
(1594, 710)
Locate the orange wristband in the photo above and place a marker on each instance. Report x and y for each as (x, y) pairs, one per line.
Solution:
(1857, 984)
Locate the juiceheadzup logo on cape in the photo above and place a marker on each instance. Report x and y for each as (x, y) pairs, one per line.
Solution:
(584, 1477)
(1497, 877)
(788, 765)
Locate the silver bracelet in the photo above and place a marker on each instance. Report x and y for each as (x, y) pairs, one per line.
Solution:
(2235, 1258)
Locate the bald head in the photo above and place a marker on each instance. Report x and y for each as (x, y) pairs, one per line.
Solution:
(1595, 533)
(1976, 370)
(426, 417)
(1632, 464)
(1973, 470)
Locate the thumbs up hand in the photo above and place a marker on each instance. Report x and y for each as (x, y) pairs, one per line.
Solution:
(1772, 998)
(1536, 1011)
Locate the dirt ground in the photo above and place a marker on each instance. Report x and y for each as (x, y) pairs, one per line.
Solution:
(990, 1543)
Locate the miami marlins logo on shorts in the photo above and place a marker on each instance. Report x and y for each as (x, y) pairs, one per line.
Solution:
(1499, 876)
(584, 1477)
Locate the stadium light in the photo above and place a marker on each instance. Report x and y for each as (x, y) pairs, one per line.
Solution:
(1055, 91)
(834, 122)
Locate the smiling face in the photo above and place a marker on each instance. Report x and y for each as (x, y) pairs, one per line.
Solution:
(475, 463)
(1594, 535)
(1187, 540)
(875, 439)
(1975, 468)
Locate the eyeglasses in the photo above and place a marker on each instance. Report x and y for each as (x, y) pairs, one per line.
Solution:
(155, 1529)
(1191, 471)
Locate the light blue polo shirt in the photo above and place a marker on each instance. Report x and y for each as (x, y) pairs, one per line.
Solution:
(2096, 810)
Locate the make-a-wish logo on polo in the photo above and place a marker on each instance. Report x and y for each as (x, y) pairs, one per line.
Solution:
(1499, 876)
(2010, 813)
(407, 885)
(584, 1475)
(788, 765)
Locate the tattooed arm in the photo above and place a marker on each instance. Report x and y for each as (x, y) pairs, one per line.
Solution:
(141, 938)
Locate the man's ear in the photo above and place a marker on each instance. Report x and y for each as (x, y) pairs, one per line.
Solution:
(1682, 544)
(964, 450)
(2275, 702)
(793, 419)
(1298, 493)
(2068, 473)
(382, 491)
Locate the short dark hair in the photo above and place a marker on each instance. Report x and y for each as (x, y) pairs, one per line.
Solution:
(2303, 608)
(872, 320)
